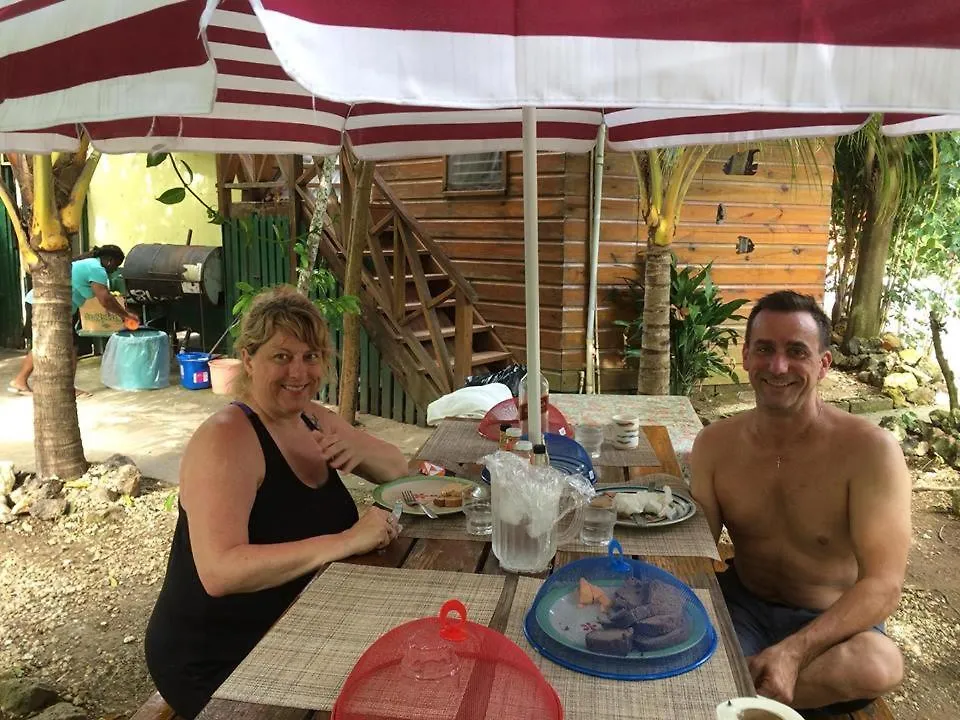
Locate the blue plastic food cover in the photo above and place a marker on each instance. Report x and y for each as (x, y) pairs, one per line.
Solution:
(136, 360)
(615, 617)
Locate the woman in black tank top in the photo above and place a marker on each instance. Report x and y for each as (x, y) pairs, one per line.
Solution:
(262, 505)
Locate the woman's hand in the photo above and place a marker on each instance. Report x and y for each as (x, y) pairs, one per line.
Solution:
(375, 530)
(340, 450)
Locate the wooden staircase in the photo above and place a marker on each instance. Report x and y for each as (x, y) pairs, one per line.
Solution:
(418, 308)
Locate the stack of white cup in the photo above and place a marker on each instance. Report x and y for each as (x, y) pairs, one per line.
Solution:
(626, 432)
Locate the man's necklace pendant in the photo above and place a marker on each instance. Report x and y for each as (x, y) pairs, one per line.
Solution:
(778, 462)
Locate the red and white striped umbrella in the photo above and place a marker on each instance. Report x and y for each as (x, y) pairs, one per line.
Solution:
(148, 85)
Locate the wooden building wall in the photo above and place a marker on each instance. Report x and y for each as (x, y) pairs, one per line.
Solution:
(784, 209)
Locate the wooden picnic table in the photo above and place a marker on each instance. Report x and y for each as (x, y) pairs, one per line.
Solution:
(475, 556)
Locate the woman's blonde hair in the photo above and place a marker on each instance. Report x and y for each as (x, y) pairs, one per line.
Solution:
(276, 309)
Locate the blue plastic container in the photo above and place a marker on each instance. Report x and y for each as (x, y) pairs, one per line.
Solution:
(136, 360)
(194, 370)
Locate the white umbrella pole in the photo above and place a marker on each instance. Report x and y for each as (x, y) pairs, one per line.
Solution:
(532, 271)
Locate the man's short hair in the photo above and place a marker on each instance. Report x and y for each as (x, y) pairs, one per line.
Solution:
(788, 301)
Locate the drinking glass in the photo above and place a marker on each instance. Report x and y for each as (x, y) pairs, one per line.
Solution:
(591, 437)
(599, 517)
(478, 510)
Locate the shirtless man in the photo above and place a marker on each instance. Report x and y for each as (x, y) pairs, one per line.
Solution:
(817, 502)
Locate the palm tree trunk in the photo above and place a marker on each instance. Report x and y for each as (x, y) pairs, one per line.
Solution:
(866, 318)
(57, 443)
(654, 377)
(357, 241)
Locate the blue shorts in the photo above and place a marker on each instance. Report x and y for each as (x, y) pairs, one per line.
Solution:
(760, 623)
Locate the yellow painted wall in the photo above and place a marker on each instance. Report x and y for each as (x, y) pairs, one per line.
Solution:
(123, 209)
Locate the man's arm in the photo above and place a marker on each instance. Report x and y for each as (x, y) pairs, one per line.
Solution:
(880, 497)
(701, 484)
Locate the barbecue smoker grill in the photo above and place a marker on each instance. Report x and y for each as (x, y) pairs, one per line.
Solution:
(179, 287)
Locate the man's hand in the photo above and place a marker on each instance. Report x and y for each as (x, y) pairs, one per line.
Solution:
(340, 451)
(775, 672)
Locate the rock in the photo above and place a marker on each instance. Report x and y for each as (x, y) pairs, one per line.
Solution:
(923, 396)
(48, 509)
(840, 360)
(103, 515)
(18, 495)
(910, 356)
(51, 489)
(860, 406)
(898, 430)
(941, 419)
(118, 460)
(889, 341)
(854, 345)
(32, 485)
(919, 374)
(873, 344)
(61, 711)
(125, 479)
(20, 697)
(6, 517)
(22, 507)
(8, 478)
(947, 448)
(905, 382)
(896, 394)
(864, 376)
(930, 368)
(917, 448)
(103, 494)
(870, 363)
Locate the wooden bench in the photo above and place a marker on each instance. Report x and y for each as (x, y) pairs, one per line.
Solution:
(156, 708)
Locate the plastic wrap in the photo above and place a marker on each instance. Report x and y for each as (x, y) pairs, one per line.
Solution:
(136, 360)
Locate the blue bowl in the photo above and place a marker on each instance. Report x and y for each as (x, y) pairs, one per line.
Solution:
(565, 454)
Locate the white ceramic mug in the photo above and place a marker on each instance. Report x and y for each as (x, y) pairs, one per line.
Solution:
(748, 708)
(626, 432)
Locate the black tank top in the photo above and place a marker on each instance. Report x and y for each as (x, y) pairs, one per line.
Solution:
(194, 641)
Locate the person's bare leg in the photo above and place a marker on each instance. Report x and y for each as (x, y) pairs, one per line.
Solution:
(21, 382)
(867, 665)
(77, 391)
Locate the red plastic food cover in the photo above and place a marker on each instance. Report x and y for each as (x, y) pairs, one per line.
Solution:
(507, 412)
(439, 668)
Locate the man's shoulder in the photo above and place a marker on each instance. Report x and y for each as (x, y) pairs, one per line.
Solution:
(857, 433)
(720, 433)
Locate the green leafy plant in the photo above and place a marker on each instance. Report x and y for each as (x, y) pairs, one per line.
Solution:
(177, 194)
(699, 340)
(321, 289)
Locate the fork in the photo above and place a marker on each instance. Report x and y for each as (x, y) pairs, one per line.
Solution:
(410, 500)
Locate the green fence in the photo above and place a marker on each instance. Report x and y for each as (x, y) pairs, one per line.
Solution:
(11, 293)
(256, 252)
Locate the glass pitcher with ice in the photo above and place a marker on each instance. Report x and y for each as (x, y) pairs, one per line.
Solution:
(535, 509)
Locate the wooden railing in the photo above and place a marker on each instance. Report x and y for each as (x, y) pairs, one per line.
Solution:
(397, 246)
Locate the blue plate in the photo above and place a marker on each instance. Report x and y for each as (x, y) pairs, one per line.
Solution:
(565, 454)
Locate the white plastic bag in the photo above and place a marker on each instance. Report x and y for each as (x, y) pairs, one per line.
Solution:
(471, 402)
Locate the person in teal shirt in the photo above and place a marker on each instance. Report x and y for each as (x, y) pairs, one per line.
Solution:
(89, 277)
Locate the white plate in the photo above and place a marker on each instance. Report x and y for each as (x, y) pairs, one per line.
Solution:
(685, 506)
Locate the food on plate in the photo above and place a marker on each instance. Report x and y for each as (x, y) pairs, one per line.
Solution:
(650, 612)
(451, 495)
(659, 505)
(610, 642)
(589, 594)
